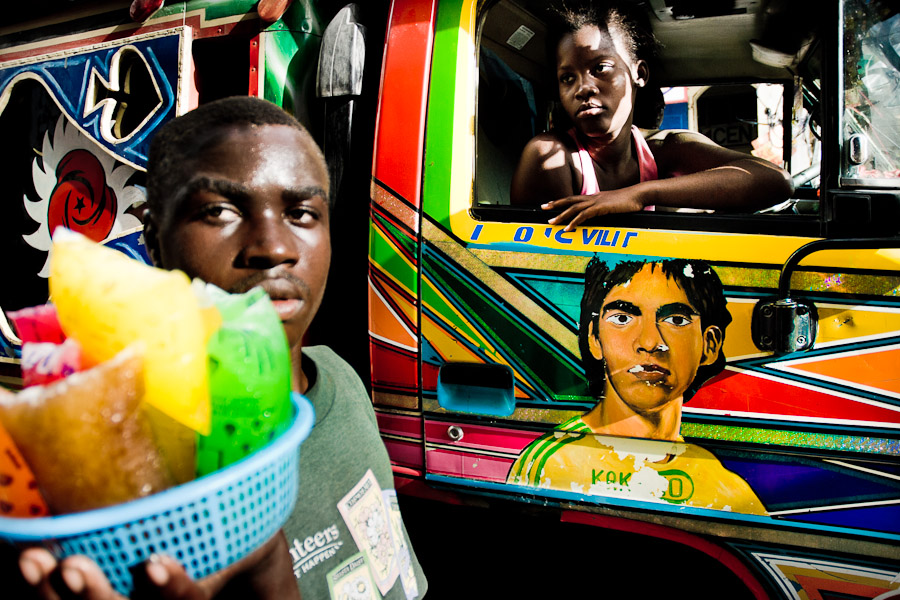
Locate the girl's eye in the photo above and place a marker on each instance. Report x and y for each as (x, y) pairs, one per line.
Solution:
(619, 319)
(602, 68)
(566, 78)
(678, 320)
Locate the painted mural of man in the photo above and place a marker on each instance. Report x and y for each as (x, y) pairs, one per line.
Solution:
(650, 334)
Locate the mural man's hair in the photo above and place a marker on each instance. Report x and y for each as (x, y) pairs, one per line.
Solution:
(700, 283)
(178, 140)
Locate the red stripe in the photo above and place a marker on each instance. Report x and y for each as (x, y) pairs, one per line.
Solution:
(742, 392)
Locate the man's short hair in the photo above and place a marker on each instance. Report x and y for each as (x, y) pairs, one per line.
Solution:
(177, 141)
(700, 283)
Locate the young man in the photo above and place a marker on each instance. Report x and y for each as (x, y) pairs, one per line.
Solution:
(650, 334)
(238, 196)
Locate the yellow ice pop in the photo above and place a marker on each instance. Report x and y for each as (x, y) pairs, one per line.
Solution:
(108, 301)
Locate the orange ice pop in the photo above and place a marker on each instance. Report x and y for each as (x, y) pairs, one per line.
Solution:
(19, 496)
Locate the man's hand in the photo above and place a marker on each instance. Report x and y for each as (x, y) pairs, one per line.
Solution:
(265, 573)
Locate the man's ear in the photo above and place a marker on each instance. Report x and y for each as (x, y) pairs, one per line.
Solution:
(151, 239)
(594, 342)
(641, 73)
(713, 339)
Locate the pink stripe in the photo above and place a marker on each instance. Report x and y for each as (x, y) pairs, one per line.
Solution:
(481, 437)
(471, 466)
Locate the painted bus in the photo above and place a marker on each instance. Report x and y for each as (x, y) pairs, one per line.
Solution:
(466, 313)
(484, 368)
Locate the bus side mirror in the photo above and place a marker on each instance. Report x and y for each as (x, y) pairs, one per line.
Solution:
(784, 325)
(342, 56)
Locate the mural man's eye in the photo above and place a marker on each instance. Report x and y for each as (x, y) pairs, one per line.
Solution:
(678, 320)
(619, 319)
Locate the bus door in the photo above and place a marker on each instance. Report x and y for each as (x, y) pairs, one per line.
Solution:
(494, 352)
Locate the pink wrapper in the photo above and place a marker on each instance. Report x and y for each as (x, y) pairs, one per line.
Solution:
(44, 362)
(37, 324)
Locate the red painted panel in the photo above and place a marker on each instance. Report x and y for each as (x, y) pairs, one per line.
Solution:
(400, 126)
(481, 437)
(393, 368)
(429, 377)
(741, 392)
(399, 425)
(407, 454)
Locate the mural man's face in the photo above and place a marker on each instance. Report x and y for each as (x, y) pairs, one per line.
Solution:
(252, 212)
(652, 341)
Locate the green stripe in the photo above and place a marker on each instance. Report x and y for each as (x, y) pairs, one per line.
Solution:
(439, 130)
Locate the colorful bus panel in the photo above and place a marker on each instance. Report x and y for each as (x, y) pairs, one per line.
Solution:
(500, 343)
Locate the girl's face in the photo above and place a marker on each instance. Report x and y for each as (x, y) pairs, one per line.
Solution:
(598, 81)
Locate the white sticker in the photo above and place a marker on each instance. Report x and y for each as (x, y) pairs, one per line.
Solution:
(369, 522)
(520, 37)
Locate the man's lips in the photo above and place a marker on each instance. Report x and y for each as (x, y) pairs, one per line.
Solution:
(650, 373)
(287, 309)
(286, 291)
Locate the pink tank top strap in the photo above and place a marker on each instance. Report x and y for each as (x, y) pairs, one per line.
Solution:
(589, 184)
(646, 162)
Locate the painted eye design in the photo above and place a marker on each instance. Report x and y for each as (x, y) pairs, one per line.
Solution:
(678, 320)
(619, 318)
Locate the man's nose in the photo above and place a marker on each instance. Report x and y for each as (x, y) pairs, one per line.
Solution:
(649, 338)
(269, 242)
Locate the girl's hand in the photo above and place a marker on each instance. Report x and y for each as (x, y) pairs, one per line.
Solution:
(578, 209)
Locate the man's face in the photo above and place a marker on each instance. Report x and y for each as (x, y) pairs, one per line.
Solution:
(252, 211)
(652, 341)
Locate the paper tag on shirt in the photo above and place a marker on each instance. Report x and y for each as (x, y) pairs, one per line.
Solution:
(404, 560)
(369, 522)
(352, 580)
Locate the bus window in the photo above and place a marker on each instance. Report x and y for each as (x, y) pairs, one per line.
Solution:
(871, 118)
(711, 84)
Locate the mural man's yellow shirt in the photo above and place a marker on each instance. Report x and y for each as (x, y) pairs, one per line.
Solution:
(571, 458)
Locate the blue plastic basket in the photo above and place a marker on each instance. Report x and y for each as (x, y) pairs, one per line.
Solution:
(206, 524)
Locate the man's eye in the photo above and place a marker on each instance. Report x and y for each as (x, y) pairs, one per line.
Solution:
(301, 215)
(619, 319)
(219, 213)
(566, 78)
(602, 68)
(678, 320)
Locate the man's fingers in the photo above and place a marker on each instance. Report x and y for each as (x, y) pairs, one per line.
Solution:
(162, 577)
(82, 578)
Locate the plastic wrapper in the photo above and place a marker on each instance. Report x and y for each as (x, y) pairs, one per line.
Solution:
(108, 301)
(45, 362)
(37, 324)
(19, 495)
(86, 438)
(250, 379)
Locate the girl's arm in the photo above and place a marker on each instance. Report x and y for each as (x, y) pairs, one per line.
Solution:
(543, 172)
(697, 173)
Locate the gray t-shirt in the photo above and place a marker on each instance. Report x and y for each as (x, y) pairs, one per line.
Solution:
(345, 535)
